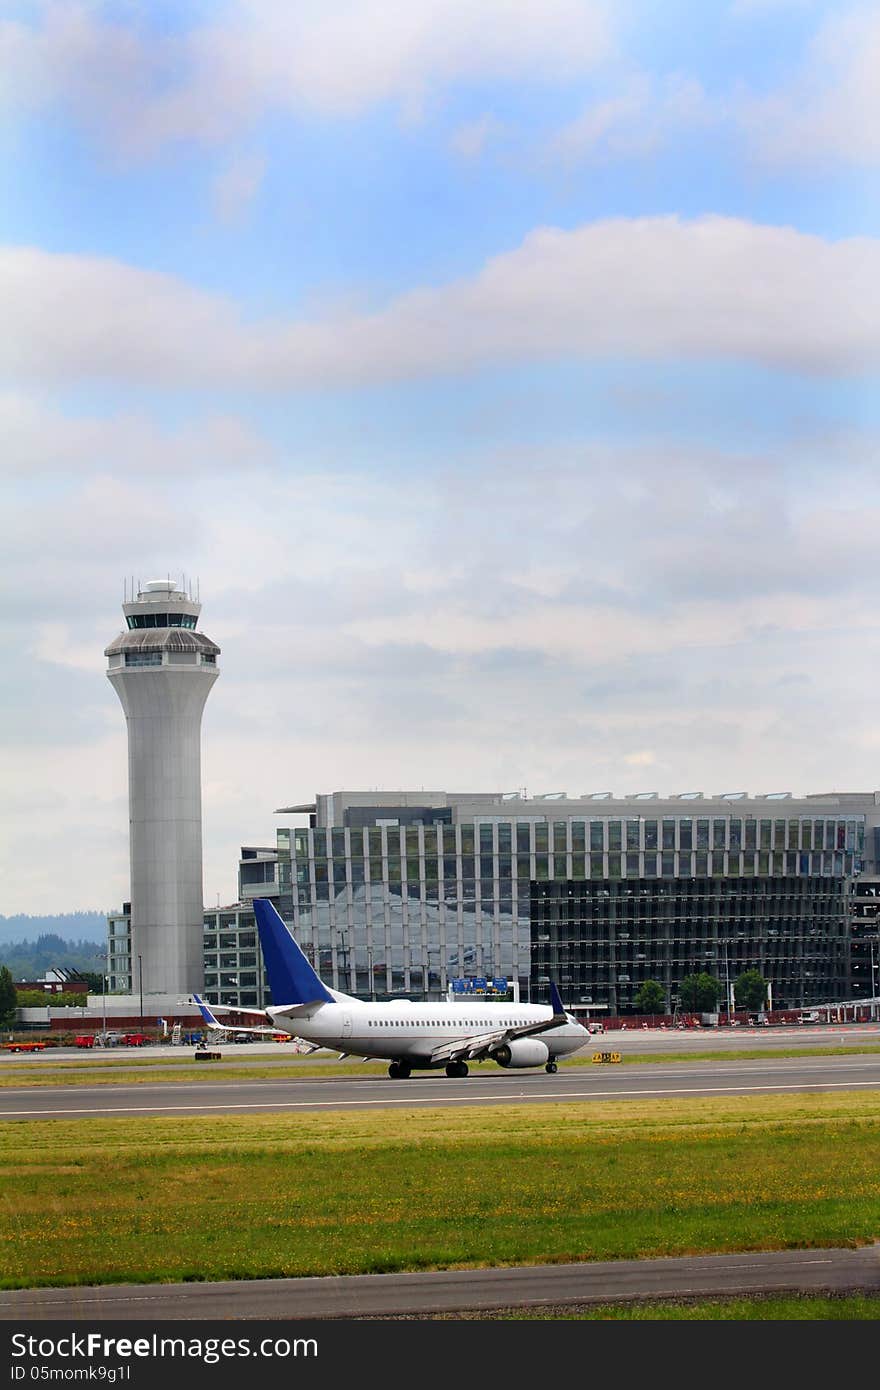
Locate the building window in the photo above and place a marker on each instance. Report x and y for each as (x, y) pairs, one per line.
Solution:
(143, 658)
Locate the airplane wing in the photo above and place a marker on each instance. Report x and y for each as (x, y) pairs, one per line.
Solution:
(484, 1044)
(478, 1045)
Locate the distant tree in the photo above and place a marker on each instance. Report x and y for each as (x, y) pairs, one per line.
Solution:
(69, 925)
(8, 998)
(29, 960)
(40, 998)
(651, 998)
(699, 994)
(750, 990)
(94, 978)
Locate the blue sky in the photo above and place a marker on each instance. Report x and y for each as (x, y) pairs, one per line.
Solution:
(506, 373)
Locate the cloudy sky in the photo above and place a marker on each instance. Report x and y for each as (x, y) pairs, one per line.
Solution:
(505, 372)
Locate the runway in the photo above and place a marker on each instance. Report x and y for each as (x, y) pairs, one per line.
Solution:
(485, 1086)
(455, 1291)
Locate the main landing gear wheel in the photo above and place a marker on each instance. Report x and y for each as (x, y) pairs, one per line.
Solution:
(551, 1067)
(399, 1071)
(456, 1069)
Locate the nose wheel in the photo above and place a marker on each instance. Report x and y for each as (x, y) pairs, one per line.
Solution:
(551, 1067)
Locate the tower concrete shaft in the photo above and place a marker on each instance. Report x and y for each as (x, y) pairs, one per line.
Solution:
(163, 670)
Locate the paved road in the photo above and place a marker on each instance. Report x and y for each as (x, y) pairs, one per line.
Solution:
(485, 1086)
(451, 1291)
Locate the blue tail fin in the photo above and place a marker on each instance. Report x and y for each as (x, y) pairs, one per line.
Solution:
(291, 978)
(556, 1000)
(206, 1012)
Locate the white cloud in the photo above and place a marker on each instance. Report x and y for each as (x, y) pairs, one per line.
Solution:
(642, 114)
(544, 617)
(236, 187)
(614, 126)
(829, 111)
(471, 140)
(653, 287)
(139, 91)
(39, 439)
(747, 8)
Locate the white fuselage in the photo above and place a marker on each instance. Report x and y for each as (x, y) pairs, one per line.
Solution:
(402, 1030)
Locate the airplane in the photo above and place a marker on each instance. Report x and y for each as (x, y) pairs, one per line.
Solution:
(409, 1035)
(214, 1024)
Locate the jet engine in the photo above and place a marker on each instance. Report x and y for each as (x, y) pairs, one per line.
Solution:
(522, 1052)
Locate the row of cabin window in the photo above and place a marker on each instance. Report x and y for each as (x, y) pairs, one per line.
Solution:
(444, 1023)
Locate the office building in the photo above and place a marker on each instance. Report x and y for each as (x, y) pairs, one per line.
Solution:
(403, 892)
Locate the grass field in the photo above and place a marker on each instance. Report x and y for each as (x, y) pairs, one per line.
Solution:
(96, 1201)
(142, 1070)
(797, 1308)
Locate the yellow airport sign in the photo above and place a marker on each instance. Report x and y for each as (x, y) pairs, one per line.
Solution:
(606, 1056)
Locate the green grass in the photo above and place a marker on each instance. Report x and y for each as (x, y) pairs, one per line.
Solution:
(152, 1070)
(793, 1308)
(103, 1201)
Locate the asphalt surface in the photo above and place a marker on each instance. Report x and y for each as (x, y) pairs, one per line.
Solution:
(488, 1085)
(457, 1291)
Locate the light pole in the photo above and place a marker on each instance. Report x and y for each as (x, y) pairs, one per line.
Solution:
(141, 982)
(105, 956)
(727, 981)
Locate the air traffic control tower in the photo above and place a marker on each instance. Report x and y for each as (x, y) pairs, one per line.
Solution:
(162, 669)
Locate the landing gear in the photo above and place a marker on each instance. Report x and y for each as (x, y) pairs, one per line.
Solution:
(551, 1067)
(399, 1071)
(456, 1069)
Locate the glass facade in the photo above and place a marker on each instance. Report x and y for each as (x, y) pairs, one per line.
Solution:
(601, 941)
(864, 942)
(391, 909)
(234, 971)
(119, 971)
(403, 900)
